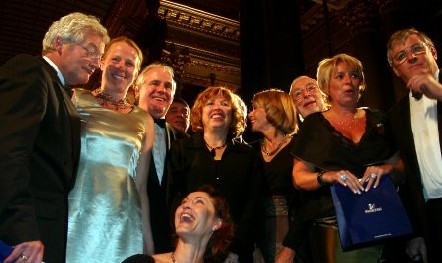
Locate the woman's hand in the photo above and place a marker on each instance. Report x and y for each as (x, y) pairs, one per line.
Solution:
(345, 178)
(372, 175)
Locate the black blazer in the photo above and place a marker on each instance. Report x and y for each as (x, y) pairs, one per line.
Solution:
(159, 198)
(412, 190)
(39, 138)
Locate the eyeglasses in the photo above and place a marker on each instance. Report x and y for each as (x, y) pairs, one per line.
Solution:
(298, 93)
(92, 53)
(415, 49)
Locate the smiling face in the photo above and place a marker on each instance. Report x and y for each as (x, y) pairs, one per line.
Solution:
(119, 67)
(178, 116)
(196, 216)
(415, 62)
(344, 85)
(217, 113)
(78, 61)
(307, 96)
(258, 119)
(156, 92)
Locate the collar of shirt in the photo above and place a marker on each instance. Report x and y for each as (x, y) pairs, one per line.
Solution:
(60, 76)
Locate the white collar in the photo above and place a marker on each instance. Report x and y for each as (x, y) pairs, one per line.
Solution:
(60, 76)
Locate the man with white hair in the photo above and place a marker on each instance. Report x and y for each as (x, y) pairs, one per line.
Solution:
(307, 96)
(156, 87)
(40, 137)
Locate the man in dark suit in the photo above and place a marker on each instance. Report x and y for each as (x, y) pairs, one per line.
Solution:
(414, 121)
(156, 88)
(40, 137)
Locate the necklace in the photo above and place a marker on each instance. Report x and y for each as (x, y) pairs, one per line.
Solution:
(117, 104)
(349, 124)
(213, 149)
(172, 256)
(264, 150)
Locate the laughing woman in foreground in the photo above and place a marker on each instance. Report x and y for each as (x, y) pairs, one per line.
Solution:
(204, 230)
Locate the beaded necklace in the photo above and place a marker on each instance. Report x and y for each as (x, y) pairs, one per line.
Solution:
(213, 149)
(117, 104)
(264, 150)
(172, 256)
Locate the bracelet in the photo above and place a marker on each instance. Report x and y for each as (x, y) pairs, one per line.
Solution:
(320, 179)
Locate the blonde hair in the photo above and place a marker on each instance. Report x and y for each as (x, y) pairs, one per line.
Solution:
(238, 123)
(401, 36)
(73, 28)
(327, 67)
(280, 109)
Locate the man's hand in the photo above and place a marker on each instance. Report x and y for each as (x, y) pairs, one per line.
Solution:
(286, 255)
(416, 247)
(29, 252)
(425, 84)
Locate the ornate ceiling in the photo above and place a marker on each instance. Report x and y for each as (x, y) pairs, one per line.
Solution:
(203, 36)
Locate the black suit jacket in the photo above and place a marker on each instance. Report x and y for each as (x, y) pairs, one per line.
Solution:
(412, 190)
(39, 138)
(159, 198)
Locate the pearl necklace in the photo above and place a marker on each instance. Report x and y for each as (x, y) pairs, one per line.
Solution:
(263, 147)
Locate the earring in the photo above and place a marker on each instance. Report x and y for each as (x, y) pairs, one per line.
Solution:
(213, 229)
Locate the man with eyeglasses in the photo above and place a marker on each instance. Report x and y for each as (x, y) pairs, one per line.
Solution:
(416, 122)
(40, 137)
(307, 96)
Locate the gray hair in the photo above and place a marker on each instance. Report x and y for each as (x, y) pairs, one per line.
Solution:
(141, 77)
(73, 28)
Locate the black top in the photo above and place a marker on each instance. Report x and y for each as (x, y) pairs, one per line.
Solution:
(278, 171)
(139, 258)
(320, 144)
(237, 176)
(277, 175)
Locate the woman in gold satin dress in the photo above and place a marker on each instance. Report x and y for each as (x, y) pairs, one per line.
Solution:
(106, 222)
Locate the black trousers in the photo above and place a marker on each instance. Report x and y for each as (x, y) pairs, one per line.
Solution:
(433, 209)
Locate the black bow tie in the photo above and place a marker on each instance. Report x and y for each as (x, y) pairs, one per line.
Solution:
(160, 122)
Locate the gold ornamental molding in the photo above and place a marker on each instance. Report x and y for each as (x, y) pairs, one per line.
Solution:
(185, 17)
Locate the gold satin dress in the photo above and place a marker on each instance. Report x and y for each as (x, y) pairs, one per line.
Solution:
(104, 222)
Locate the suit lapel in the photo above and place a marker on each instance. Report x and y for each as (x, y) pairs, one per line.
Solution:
(73, 119)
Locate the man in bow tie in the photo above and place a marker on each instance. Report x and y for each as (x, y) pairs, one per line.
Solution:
(416, 123)
(40, 137)
(156, 87)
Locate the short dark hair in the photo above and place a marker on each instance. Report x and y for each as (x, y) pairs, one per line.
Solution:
(182, 101)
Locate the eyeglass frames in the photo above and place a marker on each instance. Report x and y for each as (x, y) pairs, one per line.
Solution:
(91, 52)
(298, 93)
(415, 49)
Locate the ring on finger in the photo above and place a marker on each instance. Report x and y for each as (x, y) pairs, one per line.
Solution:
(343, 177)
(25, 258)
(373, 175)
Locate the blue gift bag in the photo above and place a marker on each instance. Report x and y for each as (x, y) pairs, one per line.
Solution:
(5, 250)
(371, 217)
